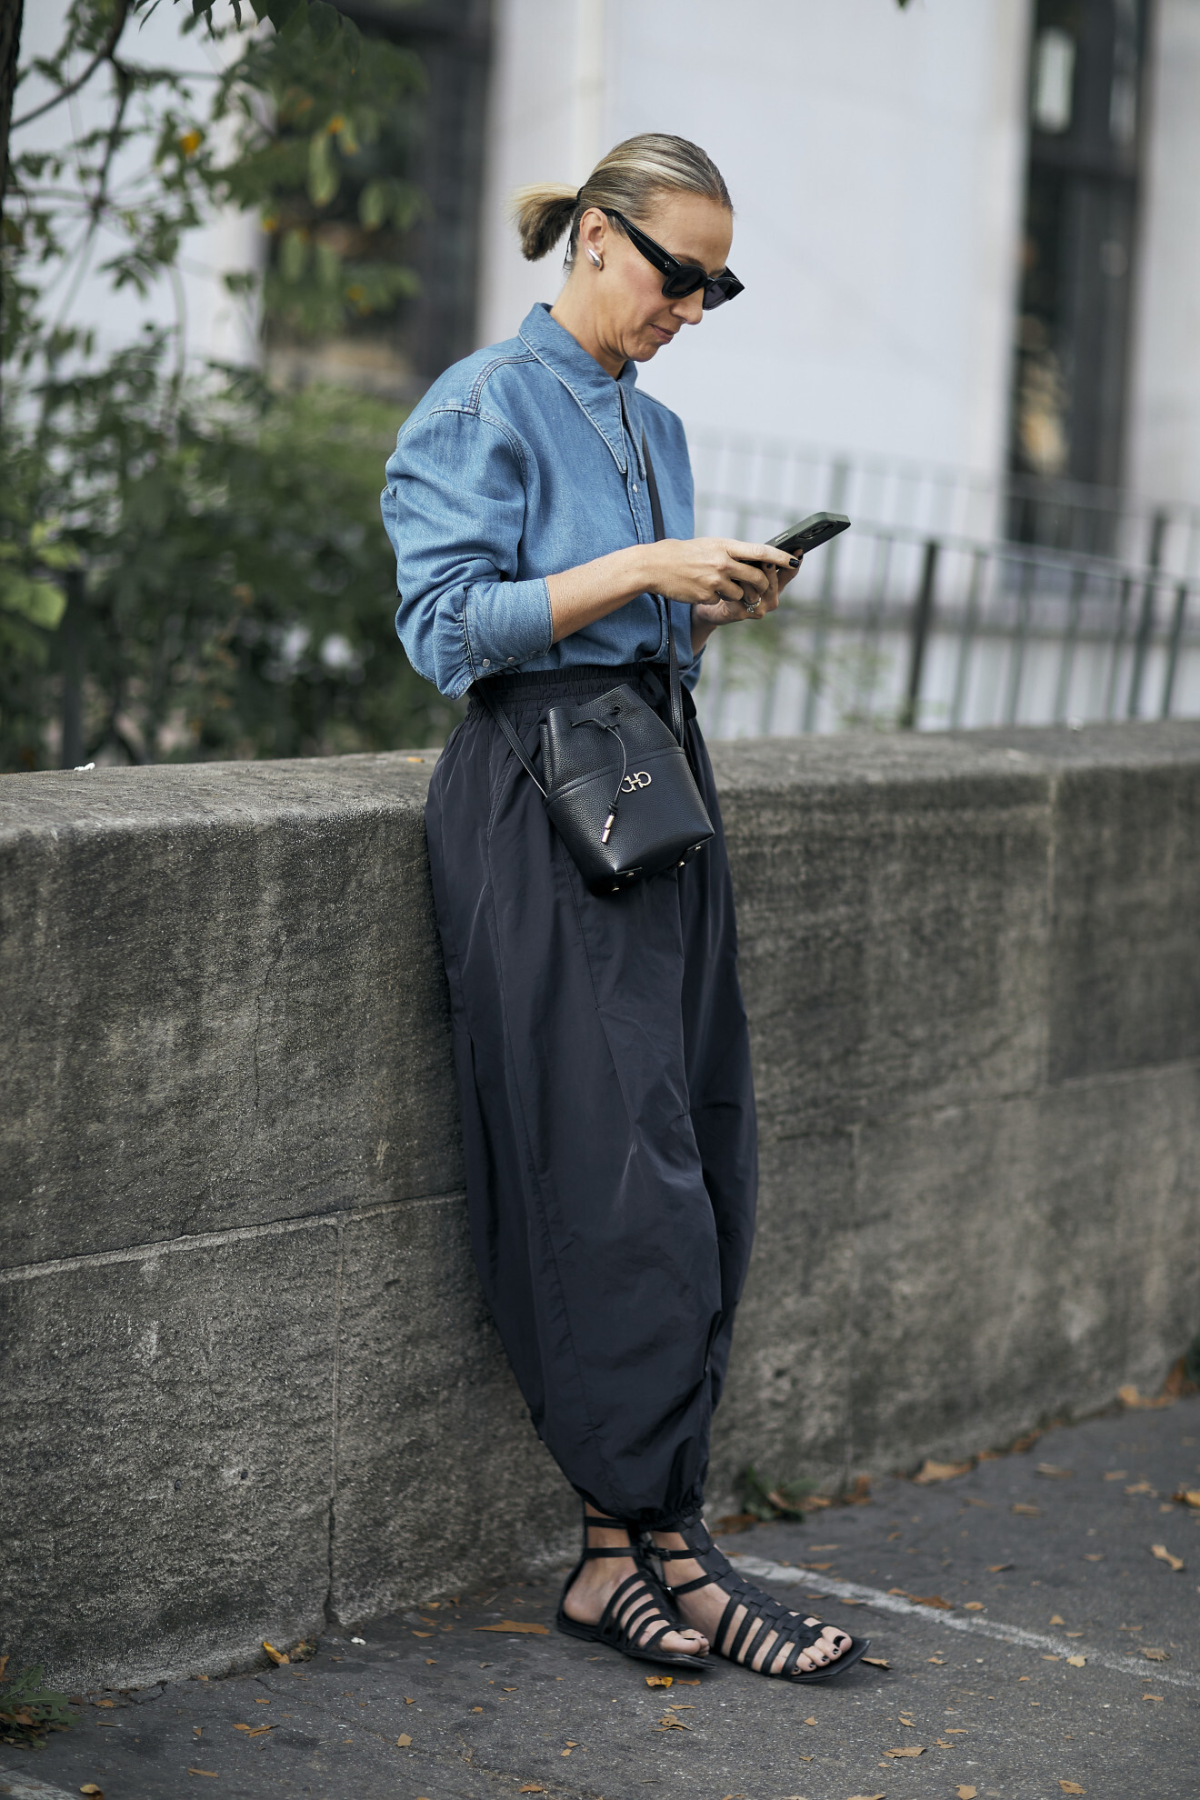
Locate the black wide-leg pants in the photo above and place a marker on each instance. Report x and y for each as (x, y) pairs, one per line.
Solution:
(608, 1112)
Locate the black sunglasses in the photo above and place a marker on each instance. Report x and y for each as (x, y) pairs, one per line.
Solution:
(681, 278)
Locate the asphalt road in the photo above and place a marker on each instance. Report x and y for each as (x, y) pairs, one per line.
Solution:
(1039, 1557)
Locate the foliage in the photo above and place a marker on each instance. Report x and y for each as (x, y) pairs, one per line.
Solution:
(228, 579)
(193, 566)
(28, 1710)
(773, 1500)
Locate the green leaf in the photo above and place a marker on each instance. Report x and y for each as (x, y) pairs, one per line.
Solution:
(293, 254)
(322, 171)
(38, 602)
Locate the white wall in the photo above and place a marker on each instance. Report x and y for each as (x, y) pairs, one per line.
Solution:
(1165, 411)
(216, 324)
(875, 160)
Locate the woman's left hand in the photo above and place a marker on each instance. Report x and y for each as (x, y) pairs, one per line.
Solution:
(705, 619)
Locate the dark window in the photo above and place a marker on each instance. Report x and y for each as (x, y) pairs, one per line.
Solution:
(444, 158)
(1085, 132)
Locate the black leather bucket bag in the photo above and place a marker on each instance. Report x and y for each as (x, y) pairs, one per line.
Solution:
(618, 786)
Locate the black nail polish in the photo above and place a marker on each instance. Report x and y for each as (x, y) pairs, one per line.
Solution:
(794, 561)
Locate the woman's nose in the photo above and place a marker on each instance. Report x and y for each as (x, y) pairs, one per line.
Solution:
(690, 308)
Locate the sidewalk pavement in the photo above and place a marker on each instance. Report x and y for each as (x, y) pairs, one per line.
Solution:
(1037, 1645)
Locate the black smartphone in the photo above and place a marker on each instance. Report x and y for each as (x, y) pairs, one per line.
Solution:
(817, 529)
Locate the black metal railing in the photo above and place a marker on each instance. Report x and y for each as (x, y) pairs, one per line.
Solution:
(1072, 516)
(890, 626)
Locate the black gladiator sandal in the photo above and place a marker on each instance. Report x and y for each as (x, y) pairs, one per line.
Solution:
(638, 1602)
(763, 1614)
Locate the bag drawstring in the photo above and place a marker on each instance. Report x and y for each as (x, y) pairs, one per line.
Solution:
(616, 799)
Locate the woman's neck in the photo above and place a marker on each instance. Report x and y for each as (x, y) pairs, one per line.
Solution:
(574, 316)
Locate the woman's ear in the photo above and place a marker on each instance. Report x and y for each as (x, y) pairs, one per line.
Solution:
(593, 230)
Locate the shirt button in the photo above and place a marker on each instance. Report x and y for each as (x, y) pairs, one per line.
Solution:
(487, 662)
(512, 659)
(635, 487)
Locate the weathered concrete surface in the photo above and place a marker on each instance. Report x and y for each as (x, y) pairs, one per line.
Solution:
(231, 1221)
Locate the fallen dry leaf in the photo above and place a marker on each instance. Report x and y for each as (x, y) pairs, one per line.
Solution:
(819, 1568)
(930, 1472)
(907, 1750)
(1071, 1787)
(1077, 1662)
(1151, 1696)
(403, 1741)
(932, 1600)
(531, 1787)
(478, 1628)
(91, 1788)
(211, 1773)
(973, 1606)
(659, 1680)
(259, 1730)
(810, 1721)
(1030, 1512)
(1117, 1475)
(1052, 1659)
(1057, 1619)
(1164, 1555)
(876, 1662)
(729, 1526)
(1140, 1487)
(513, 1625)
(278, 1657)
(1188, 1496)
(1157, 1655)
(939, 1660)
(1053, 1471)
(242, 1728)
(998, 1568)
(868, 1797)
(1093, 1556)
(1129, 1396)
(966, 1793)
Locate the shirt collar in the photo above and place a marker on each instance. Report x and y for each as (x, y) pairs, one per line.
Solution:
(590, 385)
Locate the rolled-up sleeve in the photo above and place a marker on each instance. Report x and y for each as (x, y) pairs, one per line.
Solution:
(454, 509)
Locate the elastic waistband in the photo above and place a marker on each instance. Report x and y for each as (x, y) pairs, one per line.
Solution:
(540, 687)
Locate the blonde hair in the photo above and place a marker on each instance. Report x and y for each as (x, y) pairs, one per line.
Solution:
(626, 180)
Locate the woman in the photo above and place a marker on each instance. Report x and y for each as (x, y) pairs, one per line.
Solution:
(600, 1044)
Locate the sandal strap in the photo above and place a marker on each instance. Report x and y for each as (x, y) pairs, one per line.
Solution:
(763, 1617)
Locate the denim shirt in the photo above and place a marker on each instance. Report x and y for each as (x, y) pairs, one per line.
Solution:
(521, 461)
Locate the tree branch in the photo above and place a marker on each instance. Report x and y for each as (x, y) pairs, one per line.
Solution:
(102, 55)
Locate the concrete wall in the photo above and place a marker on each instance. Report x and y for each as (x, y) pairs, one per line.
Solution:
(246, 1371)
(875, 160)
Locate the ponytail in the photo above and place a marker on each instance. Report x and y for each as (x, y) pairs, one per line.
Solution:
(627, 180)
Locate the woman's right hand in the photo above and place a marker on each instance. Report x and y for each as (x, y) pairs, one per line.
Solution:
(706, 571)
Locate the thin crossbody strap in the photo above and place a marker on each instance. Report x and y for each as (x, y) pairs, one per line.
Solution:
(656, 515)
(506, 725)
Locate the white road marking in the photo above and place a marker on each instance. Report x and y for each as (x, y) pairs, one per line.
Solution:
(783, 1575)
